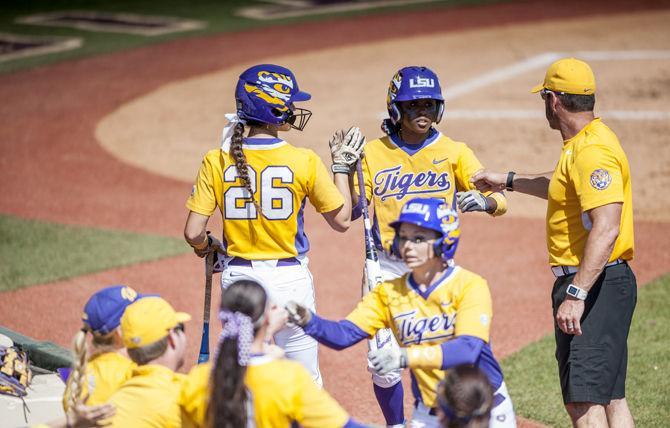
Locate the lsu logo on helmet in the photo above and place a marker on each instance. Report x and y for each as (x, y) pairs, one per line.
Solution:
(265, 93)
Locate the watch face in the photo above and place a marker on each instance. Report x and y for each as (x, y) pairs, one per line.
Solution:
(572, 290)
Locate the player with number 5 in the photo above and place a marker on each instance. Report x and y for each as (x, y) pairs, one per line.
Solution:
(261, 183)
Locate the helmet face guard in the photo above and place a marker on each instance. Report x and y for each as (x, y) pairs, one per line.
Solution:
(433, 214)
(413, 83)
(299, 115)
(265, 93)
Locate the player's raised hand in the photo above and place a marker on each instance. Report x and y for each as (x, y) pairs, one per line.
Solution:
(487, 181)
(387, 359)
(472, 200)
(346, 148)
(298, 314)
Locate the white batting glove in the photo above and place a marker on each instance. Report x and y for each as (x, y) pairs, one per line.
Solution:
(387, 359)
(472, 201)
(346, 149)
(297, 314)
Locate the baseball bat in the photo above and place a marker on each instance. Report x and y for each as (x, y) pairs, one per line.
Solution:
(373, 271)
(203, 357)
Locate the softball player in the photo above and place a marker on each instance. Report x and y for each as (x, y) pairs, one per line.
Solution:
(249, 386)
(439, 313)
(95, 377)
(260, 183)
(414, 159)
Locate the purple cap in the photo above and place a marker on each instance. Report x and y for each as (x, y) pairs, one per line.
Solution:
(104, 309)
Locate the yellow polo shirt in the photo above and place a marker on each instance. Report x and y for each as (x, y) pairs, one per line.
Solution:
(283, 393)
(593, 171)
(150, 398)
(105, 373)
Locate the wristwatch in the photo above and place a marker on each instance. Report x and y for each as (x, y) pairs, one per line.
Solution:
(510, 181)
(576, 292)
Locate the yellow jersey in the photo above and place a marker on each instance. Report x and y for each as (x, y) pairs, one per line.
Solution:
(105, 373)
(592, 171)
(150, 398)
(282, 393)
(395, 172)
(282, 178)
(459, 304)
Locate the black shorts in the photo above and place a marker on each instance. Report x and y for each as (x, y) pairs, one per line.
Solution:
(592, 367)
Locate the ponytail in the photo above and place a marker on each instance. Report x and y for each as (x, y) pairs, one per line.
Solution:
(74, 390)
(241, 160)
(228, 401)
(242, 312)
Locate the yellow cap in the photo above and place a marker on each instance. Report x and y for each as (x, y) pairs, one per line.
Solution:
(148, 320)
(569, 75)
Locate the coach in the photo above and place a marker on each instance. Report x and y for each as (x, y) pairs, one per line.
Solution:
(590, 240)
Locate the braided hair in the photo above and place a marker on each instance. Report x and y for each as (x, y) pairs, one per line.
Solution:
(241, 160)
(229, 401)
(74, 389)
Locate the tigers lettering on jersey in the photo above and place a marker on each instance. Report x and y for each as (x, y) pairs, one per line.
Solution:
(458, 304)
(389, 183)
(395, 171)
(414, 330)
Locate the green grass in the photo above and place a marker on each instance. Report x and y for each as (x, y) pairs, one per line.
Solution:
(217, 13)
(34, 252)
(531, 374)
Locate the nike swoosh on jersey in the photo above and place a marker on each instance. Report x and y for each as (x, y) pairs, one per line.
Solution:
(435, 161)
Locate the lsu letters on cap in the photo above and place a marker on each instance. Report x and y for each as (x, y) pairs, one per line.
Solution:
(104, 309)
(148, 320)
(569, 75)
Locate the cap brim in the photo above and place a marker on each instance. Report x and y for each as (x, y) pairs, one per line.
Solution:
(537, 88)
(183, 317)
(301, 96)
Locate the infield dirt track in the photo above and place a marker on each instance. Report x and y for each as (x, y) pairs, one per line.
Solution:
(157, 110)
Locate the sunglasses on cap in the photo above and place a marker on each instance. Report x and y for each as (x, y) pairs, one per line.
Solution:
(544, 92)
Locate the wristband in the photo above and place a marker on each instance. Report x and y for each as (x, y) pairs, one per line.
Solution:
(509, 185)
(424, 357)
(338, 168)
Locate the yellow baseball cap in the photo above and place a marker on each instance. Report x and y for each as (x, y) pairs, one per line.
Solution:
(569, 75)
(148, 320)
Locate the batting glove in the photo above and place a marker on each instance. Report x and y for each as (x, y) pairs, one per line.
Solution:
(298, 314)
(346, 149)
(387, 359)
(472, 201)
(210, 245)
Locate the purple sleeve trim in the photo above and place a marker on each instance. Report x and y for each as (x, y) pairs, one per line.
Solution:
(334, 334)
(461, 350)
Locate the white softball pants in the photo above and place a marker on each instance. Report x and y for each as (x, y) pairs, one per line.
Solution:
(284, 283)
(502, 415)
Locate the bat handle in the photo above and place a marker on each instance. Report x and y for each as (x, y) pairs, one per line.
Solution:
(203, 357)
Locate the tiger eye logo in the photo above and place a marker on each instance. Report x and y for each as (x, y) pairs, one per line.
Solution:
(394, 87)
(128, 294)
(600, 179)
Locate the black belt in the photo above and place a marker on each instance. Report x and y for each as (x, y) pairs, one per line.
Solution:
(239, 261)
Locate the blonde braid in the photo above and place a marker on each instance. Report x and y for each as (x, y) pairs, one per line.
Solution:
(75, 384)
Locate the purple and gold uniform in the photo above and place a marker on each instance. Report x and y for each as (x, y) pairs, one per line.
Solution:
(283, 177)
(395, 172)
(458, 305)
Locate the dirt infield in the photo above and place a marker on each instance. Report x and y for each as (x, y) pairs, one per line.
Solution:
(156, 110)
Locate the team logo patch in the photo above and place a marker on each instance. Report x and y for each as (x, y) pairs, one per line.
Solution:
(600, 179)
